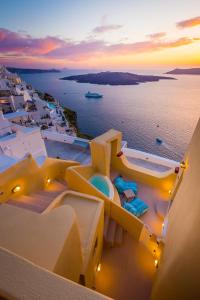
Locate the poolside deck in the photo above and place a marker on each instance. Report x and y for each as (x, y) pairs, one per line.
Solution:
(148, 164)
(153, 197)
(67, 151)
(127, 271)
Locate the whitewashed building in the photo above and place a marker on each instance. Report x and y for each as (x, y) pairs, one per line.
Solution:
(16, 141)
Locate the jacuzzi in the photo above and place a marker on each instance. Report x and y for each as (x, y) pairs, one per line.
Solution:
(103, 184)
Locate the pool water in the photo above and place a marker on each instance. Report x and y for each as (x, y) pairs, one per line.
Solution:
(81, 143)
(101, 184)
(51, 106)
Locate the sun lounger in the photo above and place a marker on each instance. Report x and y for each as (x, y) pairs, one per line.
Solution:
(122, 185)
(137, 207)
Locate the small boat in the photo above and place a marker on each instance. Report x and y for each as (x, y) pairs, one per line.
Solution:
(159, 141)
(93, 95)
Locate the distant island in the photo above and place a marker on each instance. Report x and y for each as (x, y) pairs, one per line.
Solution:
(114, 78)
(192, 71)
(31, 71)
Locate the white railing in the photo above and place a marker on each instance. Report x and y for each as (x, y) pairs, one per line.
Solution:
(61, 137)
(132, 153)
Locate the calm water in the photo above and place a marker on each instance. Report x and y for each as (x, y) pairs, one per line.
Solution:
(134, 110)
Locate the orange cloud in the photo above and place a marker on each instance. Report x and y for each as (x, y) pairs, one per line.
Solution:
(16, 47)
(188, 23)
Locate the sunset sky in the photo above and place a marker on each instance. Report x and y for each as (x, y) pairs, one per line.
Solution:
(106, 34)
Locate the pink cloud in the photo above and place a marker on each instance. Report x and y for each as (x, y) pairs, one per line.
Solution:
(24, 44)
(189, 23)
(51, 49)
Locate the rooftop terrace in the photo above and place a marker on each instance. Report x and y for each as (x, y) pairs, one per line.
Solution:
(67, 151)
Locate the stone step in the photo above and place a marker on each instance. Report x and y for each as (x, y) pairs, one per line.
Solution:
(40, 200)
(26, 205)
(110, 237)
(55, 187)
(118, 235)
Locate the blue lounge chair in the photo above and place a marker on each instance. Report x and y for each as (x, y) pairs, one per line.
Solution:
(122, 185)
(137, 207)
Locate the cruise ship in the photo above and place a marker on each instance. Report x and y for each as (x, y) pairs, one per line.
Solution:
(95, 219)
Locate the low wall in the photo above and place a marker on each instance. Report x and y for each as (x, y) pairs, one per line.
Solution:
(150, 158)
(162, 180)
(79, 182)
(23, 280)
(30, 177)
(128, 221)
(61, 137)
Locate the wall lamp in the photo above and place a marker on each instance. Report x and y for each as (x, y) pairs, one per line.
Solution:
(16, 189)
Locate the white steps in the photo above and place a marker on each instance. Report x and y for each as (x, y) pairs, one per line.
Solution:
(113, 232)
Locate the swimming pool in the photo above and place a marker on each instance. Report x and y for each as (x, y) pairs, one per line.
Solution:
(103, 184)
(83, 144)
(51, 106)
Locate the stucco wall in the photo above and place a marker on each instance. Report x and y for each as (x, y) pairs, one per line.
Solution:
(179, 270)
(30, 177)
(90, 217)
(47, 240)
(22, 280)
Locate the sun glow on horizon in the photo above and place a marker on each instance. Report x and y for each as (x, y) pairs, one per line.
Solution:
(116, 42)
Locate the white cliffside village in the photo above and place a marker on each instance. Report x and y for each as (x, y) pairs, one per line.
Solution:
(23, 105)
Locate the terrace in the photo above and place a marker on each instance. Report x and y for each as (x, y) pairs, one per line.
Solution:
(127, 271)
(67, 151)
(127, 266)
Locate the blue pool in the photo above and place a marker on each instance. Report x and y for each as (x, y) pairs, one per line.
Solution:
(81, 143)
(51, 106)
(101, 184)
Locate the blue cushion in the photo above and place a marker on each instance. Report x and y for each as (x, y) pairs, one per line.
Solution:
(136, 207)
(122, 185)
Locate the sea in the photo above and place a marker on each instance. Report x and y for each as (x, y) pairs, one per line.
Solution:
(167, 109)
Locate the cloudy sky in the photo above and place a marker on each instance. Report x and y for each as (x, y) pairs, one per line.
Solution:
(108, 34)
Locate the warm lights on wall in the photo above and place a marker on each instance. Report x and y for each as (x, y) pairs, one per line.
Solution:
(183, 165)
(16, 189)
(99, 268)
(170, 192)
(48, 180)
(156, 263)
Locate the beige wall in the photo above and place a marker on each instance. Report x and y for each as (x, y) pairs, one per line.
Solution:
(164, 180)
(30, 177)
(179, 271)
(44, 239)
(23, 280)
(90, 216)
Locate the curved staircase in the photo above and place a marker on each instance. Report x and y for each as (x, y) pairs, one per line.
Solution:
(41, 199)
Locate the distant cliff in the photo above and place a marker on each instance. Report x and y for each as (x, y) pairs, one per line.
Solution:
(192, 71)
(115, 78)
(31, 71)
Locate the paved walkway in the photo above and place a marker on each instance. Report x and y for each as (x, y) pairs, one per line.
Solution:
(67, 151)
(127, 271)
